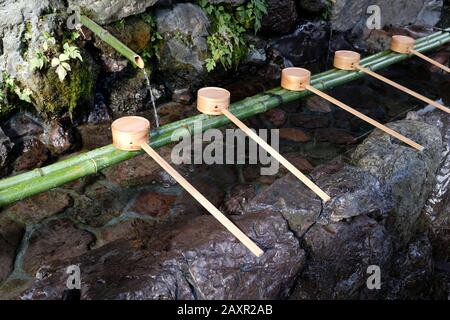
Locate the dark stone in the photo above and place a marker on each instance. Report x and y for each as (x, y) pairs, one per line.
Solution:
(37, 208)
(238, 197)
(281, 17)
(310, 121)
(199, 260)
(153, 204)
(340, 255)
(276, 117)
(184, 28)
(407, 174)
(306, 45)
(5, 147)
(95, 135)
(59, 138)
(55, 240)
(335, 136)
(294, 134)
(10, 237)
(34, 154)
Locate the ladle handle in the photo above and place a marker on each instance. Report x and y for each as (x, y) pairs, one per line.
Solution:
(365, 118)
(311, 185)
(434, 62)
(203, 201)
(404, 89)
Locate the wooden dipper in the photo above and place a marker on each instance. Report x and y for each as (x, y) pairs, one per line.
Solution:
(132, 134)
(349, 60)
(216, 101)
(298, 79)
(405, 45)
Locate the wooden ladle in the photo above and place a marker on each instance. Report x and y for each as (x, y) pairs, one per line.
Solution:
(132, 133)
(298, 79)
(349, 60)
(216, 101)
(405, 45)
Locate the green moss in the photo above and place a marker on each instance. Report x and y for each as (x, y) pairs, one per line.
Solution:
(76, 90)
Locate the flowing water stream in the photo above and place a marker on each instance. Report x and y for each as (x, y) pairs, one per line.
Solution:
(152, 98)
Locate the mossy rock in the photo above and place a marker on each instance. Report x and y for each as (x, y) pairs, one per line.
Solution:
(77, 89)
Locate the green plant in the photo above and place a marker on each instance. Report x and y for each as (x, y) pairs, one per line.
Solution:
(49, 51)
(11, 87)
(227, 42)
(156, 39)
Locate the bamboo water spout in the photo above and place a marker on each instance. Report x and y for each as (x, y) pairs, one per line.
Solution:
(215, 101)
(350, 60)
(132, 133)
(298, 79)
(405, 45)
(32, 182)
(113, 42)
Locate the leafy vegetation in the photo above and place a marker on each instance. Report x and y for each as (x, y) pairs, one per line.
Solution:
(49, 52)
(227, 42)
(156, 39)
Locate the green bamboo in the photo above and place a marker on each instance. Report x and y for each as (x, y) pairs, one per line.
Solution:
(39, 180)
(113, 42)
(244, 104)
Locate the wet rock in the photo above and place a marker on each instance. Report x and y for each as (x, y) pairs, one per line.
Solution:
(281, 17)
(340, 256)
(58, 137)
(100, 203)
(335, 136)
(95, 135)
(99, 114)
(173, 111)
(346, 15)
(182, 96)
(5, 147)
(184, 28)
(152, 204)
(354, 192)
(313, 6)
(299, 206)
(10, 237)
(139, 170)
(318, 104)
(21, 125)
(187, 263)
(105, 11)
(294, 134)
(132, 229)
(411, 277)
(56, 240)
(34, 154)
(305, 45)
(276, 117)
(238, 197)
(37, 208)
(408, 174)
(299, 161)
(310, 121)
(129, 94)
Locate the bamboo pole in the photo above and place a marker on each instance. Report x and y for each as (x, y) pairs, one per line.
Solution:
(113, 42)
(21, 186)
(323, 81)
